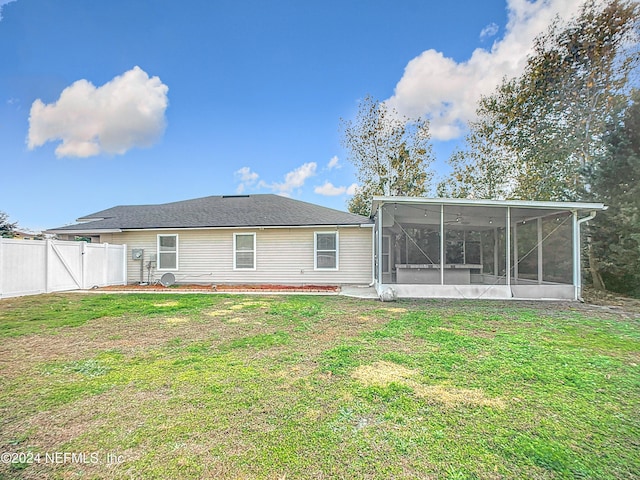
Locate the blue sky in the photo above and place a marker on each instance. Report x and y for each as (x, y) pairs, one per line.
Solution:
(111, 102)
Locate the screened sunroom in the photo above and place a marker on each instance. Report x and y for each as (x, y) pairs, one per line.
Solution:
(460, 248)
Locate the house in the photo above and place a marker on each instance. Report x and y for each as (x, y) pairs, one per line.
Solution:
(409, 247)
(235, 239)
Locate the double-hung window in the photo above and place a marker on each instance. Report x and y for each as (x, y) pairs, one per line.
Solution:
(244, 251)
(167, 252)
(326, 251)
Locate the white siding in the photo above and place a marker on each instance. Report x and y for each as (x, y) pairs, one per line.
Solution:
(283, 256)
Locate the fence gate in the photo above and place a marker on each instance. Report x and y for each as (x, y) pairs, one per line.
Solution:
(29, 267)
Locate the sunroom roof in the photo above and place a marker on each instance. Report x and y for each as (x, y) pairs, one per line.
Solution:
(466, 202)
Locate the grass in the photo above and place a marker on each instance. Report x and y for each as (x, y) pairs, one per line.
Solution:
(215, 386)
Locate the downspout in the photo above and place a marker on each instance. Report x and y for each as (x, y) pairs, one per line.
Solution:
(591, 216)
(379, 245)
(373, 256)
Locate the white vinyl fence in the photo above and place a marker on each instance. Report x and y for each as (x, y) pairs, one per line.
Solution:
(29, 267)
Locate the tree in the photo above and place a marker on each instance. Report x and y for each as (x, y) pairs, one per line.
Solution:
(541, 132)
(615, 235)
(483, 169)
(7, 229)
(391, 153)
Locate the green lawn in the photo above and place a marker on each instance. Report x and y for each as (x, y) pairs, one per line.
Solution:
(216, 386)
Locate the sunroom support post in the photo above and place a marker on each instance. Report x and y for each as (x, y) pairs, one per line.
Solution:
(576, 256)
(508, 247)
(496, 265)
(442, 252)
(539, 246)
(515, 253)
(379, 246)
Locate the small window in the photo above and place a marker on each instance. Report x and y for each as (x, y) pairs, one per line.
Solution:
(326, 249)
(244, 248)
(167, 252)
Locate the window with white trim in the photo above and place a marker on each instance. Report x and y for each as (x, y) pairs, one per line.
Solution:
(244, 251)
(326, 251)
(167, 252)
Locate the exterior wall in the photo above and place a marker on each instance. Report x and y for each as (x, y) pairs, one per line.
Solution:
(283, 256)
(449, 291)
(544, 292)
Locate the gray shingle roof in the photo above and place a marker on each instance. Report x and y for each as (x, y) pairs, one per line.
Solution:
(265, 210)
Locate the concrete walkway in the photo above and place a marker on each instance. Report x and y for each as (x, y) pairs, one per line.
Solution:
(359, 291)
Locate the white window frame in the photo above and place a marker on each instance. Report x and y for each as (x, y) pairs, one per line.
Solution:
(315, 251)
(235, 252)
(159, 254)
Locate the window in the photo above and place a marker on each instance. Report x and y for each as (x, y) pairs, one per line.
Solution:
(167, 252)
(244, 248)
(326, 251)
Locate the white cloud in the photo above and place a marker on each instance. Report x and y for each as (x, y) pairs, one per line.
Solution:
(333, 163)
(489, 31)
(447, 91)
(294, 179)
(246, 175)
(126, 112)
(247, 178)
(2, 4)
(330, 190)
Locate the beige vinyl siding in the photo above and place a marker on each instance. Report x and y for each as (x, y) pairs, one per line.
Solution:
(283, 256)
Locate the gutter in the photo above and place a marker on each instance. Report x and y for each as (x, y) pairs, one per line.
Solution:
(83, 232)
(373, 257)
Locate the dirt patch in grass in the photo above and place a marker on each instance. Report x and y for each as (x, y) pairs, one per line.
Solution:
(383, 374)
(176, 320)
(55, 430)
(125, 335)
(165, 304)
(219, 313)
(395, 309)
